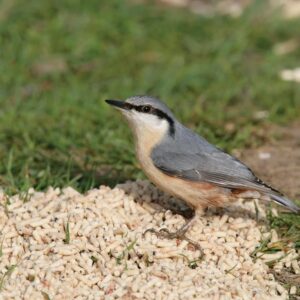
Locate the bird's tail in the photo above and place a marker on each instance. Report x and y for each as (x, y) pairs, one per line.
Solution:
(285, 202)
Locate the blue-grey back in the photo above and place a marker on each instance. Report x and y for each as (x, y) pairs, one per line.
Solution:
(190, 156)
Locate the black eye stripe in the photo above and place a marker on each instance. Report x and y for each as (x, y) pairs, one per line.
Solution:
(146, 109)
(128, 106)
(163, 115)
(140, 108)
(153, 111)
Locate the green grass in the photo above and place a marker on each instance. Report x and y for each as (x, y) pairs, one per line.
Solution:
(55, 128)
(287, 226)
(59, 60)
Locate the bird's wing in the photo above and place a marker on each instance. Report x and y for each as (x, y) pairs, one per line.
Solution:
(217, 168)
(214, 167)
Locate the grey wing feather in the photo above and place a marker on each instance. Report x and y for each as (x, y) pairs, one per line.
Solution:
(191, 167)
(215, 167)
(191, 157)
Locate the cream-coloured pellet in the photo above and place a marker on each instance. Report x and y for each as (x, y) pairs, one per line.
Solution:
(293, 290)
(295, 266)
(99, 262)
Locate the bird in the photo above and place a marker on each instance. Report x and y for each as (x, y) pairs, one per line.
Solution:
(185, 165)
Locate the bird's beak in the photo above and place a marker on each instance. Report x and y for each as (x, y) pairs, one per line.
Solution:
(116, 103)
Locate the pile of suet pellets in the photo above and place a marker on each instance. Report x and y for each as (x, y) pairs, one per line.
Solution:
(61, 244)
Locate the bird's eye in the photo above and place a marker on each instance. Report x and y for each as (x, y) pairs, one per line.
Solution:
(146, 108)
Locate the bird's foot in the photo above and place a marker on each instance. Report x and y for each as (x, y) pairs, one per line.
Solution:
(179, 234)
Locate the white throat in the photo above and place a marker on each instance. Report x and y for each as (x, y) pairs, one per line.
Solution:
(148, 129)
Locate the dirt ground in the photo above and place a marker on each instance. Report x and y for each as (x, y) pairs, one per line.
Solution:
(278, 161)
(234, 8)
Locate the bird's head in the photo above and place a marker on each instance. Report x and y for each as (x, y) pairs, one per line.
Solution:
(146, 114)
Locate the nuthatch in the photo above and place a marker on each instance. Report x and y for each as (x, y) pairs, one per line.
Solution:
(184, 164)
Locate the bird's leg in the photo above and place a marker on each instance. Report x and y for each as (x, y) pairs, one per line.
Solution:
(179, 234)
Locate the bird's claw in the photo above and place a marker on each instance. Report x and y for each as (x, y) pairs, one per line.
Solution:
(164, 233)
(179, 234)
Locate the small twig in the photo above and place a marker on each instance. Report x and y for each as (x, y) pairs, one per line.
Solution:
(46, 296)
(125, 252)
(7, 274)
(229, 271)
(67, 233)
(192, 263)
(1, 247)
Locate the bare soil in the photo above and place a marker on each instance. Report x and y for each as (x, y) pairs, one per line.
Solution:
(234, 8)
(278, 161)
